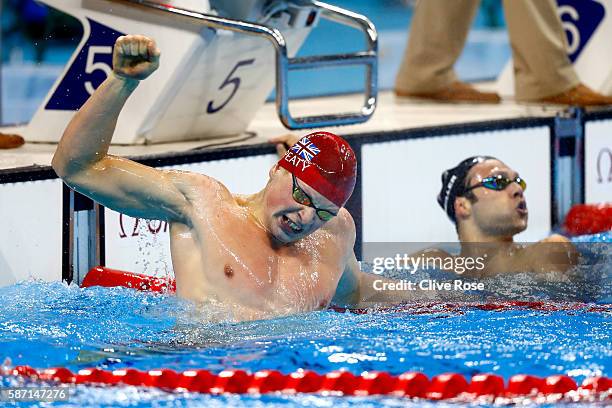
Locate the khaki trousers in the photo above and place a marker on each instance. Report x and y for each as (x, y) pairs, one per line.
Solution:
(437, 36)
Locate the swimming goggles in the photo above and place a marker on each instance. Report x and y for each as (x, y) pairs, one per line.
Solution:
(301, 197)
(498, 183)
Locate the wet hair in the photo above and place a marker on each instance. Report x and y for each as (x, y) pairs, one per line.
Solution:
(454, 184)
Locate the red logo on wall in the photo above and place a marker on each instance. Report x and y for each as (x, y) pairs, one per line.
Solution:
(601, 170)
(153, 226)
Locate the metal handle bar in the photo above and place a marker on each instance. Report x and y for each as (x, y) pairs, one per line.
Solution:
(285, 64)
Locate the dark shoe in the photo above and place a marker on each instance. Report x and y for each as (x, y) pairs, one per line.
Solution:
(580, 95)
(10, 141)
(456, 92)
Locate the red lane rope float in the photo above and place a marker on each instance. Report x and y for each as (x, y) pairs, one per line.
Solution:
(441, 307)
(583, 219)
(102, 276)
(411, 384)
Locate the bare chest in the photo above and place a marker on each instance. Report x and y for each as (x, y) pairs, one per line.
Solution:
(230, 258)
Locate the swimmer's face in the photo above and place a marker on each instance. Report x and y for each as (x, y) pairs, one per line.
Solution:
(497, 213)
(286, 219)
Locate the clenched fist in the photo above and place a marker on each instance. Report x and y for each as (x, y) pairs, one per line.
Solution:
(135, 57)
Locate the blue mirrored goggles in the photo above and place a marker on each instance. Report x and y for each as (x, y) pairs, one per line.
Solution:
(498, 183)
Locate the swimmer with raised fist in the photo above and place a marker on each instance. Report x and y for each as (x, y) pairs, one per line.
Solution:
(283, 250)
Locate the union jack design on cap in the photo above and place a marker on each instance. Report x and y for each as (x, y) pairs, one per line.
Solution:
(326, 163)
(306, 149)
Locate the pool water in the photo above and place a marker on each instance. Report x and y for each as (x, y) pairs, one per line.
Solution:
(54, 324)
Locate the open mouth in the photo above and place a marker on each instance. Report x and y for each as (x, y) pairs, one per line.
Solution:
(290, 226)
(522, 207)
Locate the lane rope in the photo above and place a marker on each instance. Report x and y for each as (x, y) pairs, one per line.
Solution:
(587, 219)
(410, 384)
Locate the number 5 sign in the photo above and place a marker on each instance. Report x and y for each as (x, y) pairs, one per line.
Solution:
(88, 70)
(91, 66)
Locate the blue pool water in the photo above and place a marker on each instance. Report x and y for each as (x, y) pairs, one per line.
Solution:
(54, 324)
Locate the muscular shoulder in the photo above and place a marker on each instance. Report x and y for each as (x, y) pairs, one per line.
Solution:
(342, 223)
(555, 253)
(195, 185)
(556, 238)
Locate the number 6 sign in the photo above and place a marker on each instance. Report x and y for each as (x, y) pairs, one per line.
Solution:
(579, 19)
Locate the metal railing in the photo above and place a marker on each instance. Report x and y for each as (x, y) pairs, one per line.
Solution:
(284, 64)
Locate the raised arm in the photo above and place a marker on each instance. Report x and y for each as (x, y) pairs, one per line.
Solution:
(82, 158)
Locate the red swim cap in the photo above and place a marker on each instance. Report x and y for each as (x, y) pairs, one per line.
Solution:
(326, 163)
